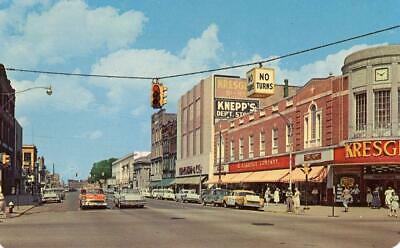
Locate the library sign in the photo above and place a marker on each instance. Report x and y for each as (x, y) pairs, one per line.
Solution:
(369, 151)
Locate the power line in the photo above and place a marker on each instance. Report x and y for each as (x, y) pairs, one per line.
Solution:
(209, 70)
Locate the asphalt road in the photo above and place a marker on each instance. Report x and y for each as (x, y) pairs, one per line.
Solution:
(171, 224)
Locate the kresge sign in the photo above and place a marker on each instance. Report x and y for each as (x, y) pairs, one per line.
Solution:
(233, 108)
(260, 82)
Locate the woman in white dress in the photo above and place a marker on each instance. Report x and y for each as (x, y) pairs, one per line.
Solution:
(296, 201)
(276, 196)
(267, 196)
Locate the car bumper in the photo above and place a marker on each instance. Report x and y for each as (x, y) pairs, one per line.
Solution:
(94, 204)
(48, 200)
(132, 203)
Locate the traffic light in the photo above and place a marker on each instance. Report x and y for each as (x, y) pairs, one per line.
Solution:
(164, 91)
(156, 96)
(5, 159)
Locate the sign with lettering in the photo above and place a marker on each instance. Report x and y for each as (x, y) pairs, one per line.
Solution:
(260, 82)
(230, 87)
(233, 108)
(312, 156)
(369, 151)
(190, 170)
(271, 163)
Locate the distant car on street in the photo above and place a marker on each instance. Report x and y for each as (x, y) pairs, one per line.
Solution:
(215, 197)
(243, 198)
(129, 197)
(168, 194)
(92, 198)
(187, 195)
(146, 193)
(50, 195)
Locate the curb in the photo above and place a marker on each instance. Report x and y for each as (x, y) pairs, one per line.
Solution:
(23, 212)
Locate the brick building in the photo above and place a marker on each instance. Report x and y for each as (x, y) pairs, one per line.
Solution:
(345, 127)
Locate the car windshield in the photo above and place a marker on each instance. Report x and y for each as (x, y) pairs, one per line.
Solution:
(130, 191)
(93, 191)
(245, 193)
(49, 191)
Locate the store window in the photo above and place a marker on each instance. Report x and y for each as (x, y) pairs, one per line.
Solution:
(220, 149)
(274, 140)
(262, 144)
(241, 148)
(251, 147)
(313, 127)
(361, 111)
(382, 113)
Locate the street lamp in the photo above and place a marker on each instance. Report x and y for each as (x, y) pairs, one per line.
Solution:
(49, 92)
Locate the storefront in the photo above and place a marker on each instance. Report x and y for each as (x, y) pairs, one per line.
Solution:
(367, 164)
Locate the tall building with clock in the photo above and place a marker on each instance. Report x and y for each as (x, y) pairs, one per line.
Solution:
(374, 86)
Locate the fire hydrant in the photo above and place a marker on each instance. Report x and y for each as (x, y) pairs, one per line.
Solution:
(10, 207)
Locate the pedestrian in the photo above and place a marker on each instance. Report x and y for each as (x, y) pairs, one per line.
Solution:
(289, 201)
(296, 201)
(346, 198)
(394, 205)
(2, 206)
(315, 195)
(355, 193)
(276, 196)
(267, 196)
(369, 197)
(376, 200)
(388, 196)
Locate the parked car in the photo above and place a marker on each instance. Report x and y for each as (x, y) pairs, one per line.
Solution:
(50, 195)
(168, 194)
(215, 197)
(146, 193)
(61, 193)
(187, 195)
(92, 198)
(129, 197)
(156, 194)
(243, 198)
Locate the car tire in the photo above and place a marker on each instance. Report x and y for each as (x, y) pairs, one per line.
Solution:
(204, 203)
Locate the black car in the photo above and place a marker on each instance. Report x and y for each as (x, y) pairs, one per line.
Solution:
(215, 196)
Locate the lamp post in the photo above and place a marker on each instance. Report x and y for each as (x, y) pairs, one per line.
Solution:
(220, 157)
(49, 92)
(290, 126)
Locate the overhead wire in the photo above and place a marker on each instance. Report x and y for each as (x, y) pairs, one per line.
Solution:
(260, 62)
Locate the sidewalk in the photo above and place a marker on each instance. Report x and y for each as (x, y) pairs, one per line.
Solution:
(326, 211)
(22, 204)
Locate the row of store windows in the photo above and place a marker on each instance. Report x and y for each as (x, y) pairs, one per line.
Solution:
(312, 138)
(382, 120)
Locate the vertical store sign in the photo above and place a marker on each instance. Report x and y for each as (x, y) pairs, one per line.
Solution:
(260, 82)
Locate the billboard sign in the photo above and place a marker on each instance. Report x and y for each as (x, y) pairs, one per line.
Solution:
(233, 108)
(260, 82)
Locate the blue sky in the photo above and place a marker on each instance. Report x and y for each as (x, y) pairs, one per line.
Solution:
(89, 119)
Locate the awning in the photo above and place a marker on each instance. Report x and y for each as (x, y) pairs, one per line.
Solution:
(189, 180)
(240, 177)
(214, 179)
(167, 182)
(155, 183)
(317, 174)
(267, 176)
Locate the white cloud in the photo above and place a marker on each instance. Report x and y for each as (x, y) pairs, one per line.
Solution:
(69, 94)
(198, 54)
(93, 135)
(64, 30)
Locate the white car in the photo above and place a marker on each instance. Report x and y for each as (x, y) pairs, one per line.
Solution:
(188, 195)
(129, 197)
(50, 195)
(168, 194)
(146, 193)
(156, 194)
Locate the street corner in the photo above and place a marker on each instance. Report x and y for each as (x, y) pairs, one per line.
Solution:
(19, 212)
